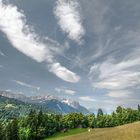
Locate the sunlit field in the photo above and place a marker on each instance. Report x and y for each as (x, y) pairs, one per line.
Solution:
(125, 132)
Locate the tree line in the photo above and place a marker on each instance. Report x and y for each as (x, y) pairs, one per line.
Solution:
(36, 126)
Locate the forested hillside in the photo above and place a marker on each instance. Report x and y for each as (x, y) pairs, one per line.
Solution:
(39, 125)
(13, 108)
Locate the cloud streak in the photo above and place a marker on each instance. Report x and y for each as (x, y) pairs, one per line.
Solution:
(65, 91)
(119, 94)
(119, 76)
(87, 99)
(13, 24)
(69, 19)
(1, 53)
(26, 85)
(64, 73)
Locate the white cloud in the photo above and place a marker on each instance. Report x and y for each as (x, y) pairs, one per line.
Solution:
(119, 94)
(87, 99)
(69, 19)
(64, 73)
(117, 70)
(118, 65)
(8, 90)
(65, 90)
(71, 92)
(1, 53)
(117, 76)
(13, 24)
(26, 85)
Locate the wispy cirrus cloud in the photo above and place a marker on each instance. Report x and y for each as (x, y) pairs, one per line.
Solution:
(64, 73)
(26, 84)
(87, 99)
(119, 75)
(13, 24)
(69, 19)
(1, 53)
(8, 90)
(115, 63)
(120, 94)
(65, 91)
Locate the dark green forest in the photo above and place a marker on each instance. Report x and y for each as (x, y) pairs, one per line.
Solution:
(39, 125)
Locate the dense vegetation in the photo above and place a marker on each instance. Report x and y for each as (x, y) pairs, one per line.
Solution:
(37, 126)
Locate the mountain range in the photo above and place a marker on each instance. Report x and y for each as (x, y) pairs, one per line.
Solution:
(48, 102)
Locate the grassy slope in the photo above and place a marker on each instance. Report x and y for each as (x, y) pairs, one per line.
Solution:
(125, 132)
(72, 132)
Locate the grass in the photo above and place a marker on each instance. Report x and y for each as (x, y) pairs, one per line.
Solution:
(124, 132)
(60, 136)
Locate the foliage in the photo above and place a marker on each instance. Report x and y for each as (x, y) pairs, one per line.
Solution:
(38, 125)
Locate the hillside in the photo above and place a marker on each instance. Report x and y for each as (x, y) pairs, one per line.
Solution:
(11, 108)
(124, 132)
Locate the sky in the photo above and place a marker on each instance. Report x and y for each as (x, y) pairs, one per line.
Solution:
(83, 50)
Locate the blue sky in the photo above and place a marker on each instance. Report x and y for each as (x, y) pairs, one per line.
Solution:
(86, 50)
